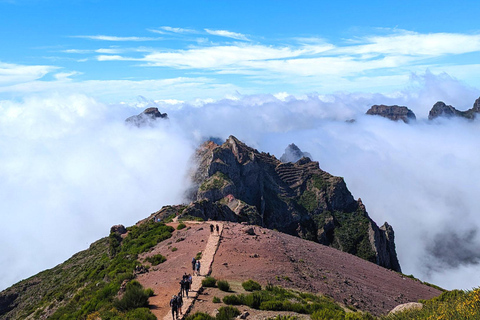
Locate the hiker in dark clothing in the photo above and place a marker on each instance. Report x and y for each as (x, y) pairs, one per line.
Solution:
(180, 303)
(211, 228)
(186, 284)
(183, 286)
(193, 264)
(174, 305)
(216, 226)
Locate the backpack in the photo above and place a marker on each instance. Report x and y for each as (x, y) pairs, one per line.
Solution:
(174, 303)
(179, 301)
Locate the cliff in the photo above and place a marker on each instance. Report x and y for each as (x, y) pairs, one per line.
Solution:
(394, 113)
(237, 183)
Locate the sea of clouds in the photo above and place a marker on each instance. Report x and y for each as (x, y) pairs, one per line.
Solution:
(70, 168)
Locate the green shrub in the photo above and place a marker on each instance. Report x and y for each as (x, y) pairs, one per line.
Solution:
(174, 249)
(233, 299)
(198, 256)
(330, 314)
(209, 282)
(200, 316)
(253, 300)
(181, 226)
(156, 259)
(134, 297)
(251, 285)
(140, 314)
(150, 292)
(359, 316)
(216, 300)
(227, 313)
(223, 285)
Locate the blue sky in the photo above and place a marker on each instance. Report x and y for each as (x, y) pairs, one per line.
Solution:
(184, 50)
(270, 73)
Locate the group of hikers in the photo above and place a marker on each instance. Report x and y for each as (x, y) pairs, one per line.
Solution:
(176, 302)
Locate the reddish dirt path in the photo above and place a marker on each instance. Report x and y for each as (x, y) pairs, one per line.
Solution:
(164, 279)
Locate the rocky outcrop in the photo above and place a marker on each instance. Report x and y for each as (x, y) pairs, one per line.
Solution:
(7, 302)
(293, 154)
(440, 109)
(118, 229)
(146, 118)
(237, 183)
(394, 113)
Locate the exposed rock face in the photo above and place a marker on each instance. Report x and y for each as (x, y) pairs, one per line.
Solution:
(7, 302)
(293, 154)
(440, 109)
(118, 229)
(238, 183)
(406, 306)
(146, 118)
(394, 113)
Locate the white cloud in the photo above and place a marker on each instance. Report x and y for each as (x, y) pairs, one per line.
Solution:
(14, 73)
(227, 34)
(116, 38)
(85, 171)
(165, 29)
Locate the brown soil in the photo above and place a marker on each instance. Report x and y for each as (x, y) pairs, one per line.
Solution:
(279, 259)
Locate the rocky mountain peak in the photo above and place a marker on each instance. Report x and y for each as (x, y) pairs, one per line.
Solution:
(394, 112)
(293, 154)
(146, 118)
(235, 182)
(440, 109)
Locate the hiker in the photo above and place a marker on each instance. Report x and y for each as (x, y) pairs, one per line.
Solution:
(180, 303)
(174, 305)
(193, 265)
(186, 284)
(197, 267)
(211, 228)
(216, 226)
(182, 287)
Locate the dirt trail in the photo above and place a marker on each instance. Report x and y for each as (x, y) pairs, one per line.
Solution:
(208, 255)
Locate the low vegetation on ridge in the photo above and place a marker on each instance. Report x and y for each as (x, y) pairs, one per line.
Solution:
(87, 286)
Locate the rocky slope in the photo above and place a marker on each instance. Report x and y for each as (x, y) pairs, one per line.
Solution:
(440, 109)
(394, 113)
(237, 183)
(146, 118)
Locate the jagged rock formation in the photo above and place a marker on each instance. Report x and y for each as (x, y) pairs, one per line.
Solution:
(440, 109)
(147, 117)
(394, 113)
(238, 183)
(293, 154)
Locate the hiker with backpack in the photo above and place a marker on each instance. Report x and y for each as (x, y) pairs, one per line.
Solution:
(174, 305)
(193, 265)
(183, 286)
(180, 302)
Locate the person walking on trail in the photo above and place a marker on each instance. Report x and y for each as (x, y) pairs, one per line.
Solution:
(186, 284)
(183, 286)
(180, 303)
(174, 305)
(218, 229)
(211, 228)
(193, 265)
(197, 267)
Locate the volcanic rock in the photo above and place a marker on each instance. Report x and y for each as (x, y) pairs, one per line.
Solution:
(235, 182)
(440, 109)
(293, 154)
(394, 113)
(146, 118)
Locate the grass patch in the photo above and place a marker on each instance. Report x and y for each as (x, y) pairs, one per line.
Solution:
(251, 285)
(181, 226)
(209, 282)
(274, 298)
(216, 300)
(198, 256)
(223, 285)
(156, 259)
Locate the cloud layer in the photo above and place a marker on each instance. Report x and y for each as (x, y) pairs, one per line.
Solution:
(70, 168)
